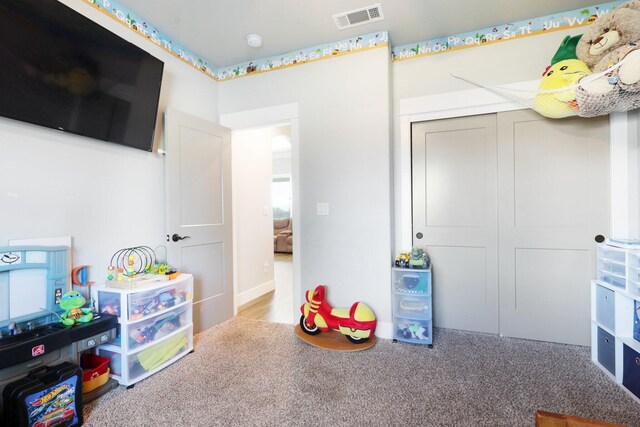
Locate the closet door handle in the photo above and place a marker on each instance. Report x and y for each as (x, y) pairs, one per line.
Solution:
(177, 237)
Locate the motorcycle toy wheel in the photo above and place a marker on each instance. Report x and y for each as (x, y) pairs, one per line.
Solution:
(306, 329)
(357, 340)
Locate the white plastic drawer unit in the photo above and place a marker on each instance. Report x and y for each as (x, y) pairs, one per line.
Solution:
(612, 266)
(156, 326)
(412, 281)
(605, 307)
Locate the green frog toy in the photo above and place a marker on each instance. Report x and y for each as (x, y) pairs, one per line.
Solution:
(72, 303)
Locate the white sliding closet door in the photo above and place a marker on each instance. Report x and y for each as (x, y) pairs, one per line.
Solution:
(553, 200)
(507, 205)
(455, 211)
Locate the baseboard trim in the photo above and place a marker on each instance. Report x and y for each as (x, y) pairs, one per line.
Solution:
(384, 330)
(246, 297)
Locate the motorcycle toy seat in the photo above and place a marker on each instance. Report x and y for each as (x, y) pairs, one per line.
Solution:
(340, 312)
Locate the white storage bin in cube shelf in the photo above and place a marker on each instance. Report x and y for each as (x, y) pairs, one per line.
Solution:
(605, 307)
(151, 359)
(413, 281)
(412, 305)
(155, 328)
(413, 330)
(144, 304)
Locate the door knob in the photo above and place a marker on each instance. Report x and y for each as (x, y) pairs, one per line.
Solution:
(419, 236)
(599, 238)
(177, 237)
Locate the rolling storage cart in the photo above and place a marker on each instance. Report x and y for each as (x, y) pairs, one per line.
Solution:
(156, 327)
(615, 311)
(412, 305)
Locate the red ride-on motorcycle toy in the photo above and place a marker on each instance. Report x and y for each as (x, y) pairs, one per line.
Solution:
(357, 323)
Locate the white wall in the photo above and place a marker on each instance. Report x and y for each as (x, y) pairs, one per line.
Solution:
(106, 196)
(253, 230)
(344, 160)
(625, 175)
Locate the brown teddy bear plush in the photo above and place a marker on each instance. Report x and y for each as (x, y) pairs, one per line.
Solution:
(613, 38)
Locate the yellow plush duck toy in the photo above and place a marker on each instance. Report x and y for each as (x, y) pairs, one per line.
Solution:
(564, 72)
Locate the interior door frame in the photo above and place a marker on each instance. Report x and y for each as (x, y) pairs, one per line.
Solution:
(623, 139)
(263, 117)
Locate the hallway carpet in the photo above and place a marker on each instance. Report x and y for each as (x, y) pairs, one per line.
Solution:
(251, 373)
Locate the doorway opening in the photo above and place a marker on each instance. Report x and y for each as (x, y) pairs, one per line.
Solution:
(263, 222)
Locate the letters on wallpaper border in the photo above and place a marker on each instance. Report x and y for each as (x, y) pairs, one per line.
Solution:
(499, 33)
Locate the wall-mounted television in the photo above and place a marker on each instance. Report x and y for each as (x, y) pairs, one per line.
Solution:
(61, 70)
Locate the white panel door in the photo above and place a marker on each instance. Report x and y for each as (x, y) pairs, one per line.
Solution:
(553, 200)
(455, 217)
(198, 204)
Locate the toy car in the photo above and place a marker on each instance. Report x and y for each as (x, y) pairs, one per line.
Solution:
(403, 259)
(60, 416)
(418, 258)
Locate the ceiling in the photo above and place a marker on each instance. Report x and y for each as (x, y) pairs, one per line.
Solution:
(217, 29)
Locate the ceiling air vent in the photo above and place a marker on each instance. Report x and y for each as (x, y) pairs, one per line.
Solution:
(360, 16)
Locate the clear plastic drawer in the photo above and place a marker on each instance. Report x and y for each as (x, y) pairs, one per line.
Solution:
(418, 306)
(616, 281)
(612, 254)
(412, 330)
(614, 267)
(143, 304)
(155, 328)
(109, 302)
(412, 281)
(151, 359)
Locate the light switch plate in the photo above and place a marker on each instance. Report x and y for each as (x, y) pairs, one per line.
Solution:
(323, 208)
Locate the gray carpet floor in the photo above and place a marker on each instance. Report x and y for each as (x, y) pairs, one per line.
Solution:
(252, 373)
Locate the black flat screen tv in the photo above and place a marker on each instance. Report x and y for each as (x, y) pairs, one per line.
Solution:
(61, 70)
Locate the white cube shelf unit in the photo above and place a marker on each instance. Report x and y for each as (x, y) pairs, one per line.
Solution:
(615, 296)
